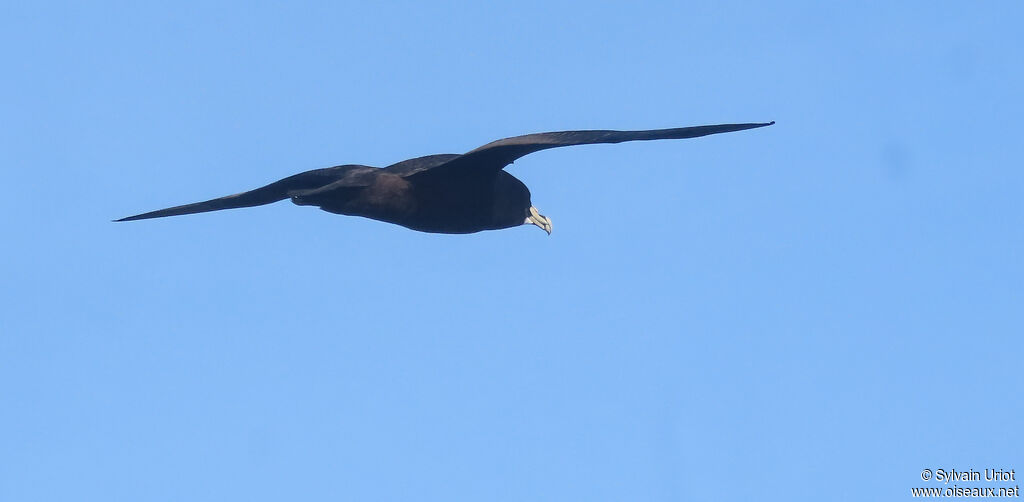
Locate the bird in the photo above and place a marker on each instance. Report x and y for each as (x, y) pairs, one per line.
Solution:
(443, 193)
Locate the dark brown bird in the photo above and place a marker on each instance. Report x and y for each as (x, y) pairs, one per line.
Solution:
(446, 193)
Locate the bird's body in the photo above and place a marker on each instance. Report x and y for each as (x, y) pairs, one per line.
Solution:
(446, 193)
(456, 206)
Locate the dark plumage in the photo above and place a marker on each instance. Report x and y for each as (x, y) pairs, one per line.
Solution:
(447, 193)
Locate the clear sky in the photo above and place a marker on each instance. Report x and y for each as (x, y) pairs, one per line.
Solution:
(813, 311)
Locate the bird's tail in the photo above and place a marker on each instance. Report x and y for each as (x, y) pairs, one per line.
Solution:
(278, 190)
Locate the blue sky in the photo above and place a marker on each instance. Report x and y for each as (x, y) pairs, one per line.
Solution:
(817, 310)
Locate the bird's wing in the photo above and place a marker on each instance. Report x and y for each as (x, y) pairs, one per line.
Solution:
(352, 175)
(498, 154)
(419, 164)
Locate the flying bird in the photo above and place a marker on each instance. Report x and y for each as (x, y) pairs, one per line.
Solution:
(445, 193)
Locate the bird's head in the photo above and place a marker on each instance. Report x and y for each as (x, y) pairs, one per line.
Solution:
(512, 206)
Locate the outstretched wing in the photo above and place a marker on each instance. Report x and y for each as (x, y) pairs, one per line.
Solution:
(498, 154)
(353, 175)
(419, 164)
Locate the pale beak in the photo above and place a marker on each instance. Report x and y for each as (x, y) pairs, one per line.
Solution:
(535, 218)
